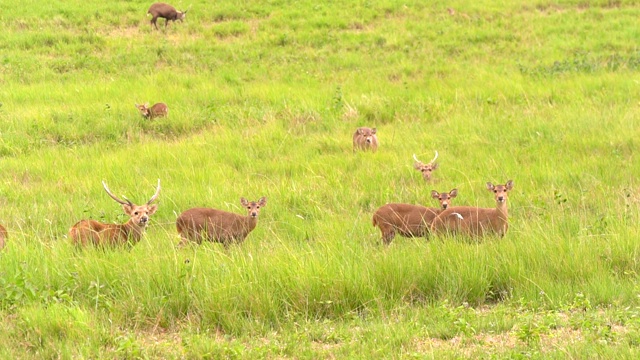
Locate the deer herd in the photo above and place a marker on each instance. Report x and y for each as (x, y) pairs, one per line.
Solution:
(196, 225)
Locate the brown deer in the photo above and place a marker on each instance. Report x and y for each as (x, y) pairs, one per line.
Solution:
(475, 221)
(409, 220)
(3, 236)
(165, 11)
(157, 110)
(365, 139)
(425, 169)
(97, 233)
(220, 226)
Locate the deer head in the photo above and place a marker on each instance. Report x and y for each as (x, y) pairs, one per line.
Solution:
(444, 198)
(426, 169)
(139, 214)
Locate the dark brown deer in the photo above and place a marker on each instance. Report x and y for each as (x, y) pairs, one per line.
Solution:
(365, 139)
(409, 220)
(220, 226)
(157, 110)
(426, 169)
(475, 221)
(97, 233)
(165, 11)
(3, 237)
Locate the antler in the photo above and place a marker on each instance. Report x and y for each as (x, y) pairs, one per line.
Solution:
(155, 196)
(127, 202)
(434, 159)
(416, 159)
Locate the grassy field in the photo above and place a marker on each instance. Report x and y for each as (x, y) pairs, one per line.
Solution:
(264, 97)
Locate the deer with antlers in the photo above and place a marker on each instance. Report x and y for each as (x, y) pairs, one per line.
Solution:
(97, 233)
(409, 220)
(475, 221)
(220, 226)
(426, 169)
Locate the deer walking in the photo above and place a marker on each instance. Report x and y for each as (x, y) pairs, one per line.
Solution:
(365, 139)
(409, 220)
(475, 221)
(3, 237)
(165, 11)
(97, 233)
(425, 169)
(157, 110)
(220, 226)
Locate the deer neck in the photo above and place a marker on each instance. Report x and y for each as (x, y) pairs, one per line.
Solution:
(503, 212)
(251, 222)
(131, 229)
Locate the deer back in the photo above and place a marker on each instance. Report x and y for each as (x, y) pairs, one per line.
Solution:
(406, 219)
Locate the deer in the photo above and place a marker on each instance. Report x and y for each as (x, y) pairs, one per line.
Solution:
(165, 11)
(426, 169)
(365, 139)
(219, 226)
(157, 110)
(409, 220)
(476, 221)
(93, 232)
(3, 237)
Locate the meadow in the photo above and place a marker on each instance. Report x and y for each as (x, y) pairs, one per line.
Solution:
(263, 99)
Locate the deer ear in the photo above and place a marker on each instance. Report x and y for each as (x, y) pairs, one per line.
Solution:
(373, 131)
(490, 186)
(417, 165)
(453, 193)
(262, 201)
(434, 166)
(359, 131)
(244, 201)
(152, 209)
(509, 185)
(435, 194)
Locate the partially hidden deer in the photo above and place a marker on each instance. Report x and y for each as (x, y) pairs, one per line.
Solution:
(476, 221)
(365, 139)
(165, 11)
(94, 232)
(3, 237)
(157, 110)
(409, 220)
(198, 224)
(426, 169)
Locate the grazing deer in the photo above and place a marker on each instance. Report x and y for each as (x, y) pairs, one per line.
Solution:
(475, 221)
(165, 11)
(157, 110)
(409, 220)
(3, 237)
(365, 139)
(425, 169)
(97, 233)
(214, 225)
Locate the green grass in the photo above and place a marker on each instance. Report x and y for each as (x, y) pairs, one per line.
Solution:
(264, 97)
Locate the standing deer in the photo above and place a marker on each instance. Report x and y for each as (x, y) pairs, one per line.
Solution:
(409, 220)
(475, 221)
(365, 139)
(425, 169)
(165, 11)
(157, 110)
(220, 226)
(97, 233)
(3, 236)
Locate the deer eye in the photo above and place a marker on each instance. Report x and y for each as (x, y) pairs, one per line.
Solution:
(135, 213)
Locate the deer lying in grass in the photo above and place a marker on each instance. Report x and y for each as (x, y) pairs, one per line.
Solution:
(165, 11)
(97, 233)
(409, 220)
(475, 221)
(425, 169)
(157, 110)
(220, 226)
(3, 237)
(365, 139)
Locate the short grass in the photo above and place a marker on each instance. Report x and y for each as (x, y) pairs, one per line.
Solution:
(264, 97)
